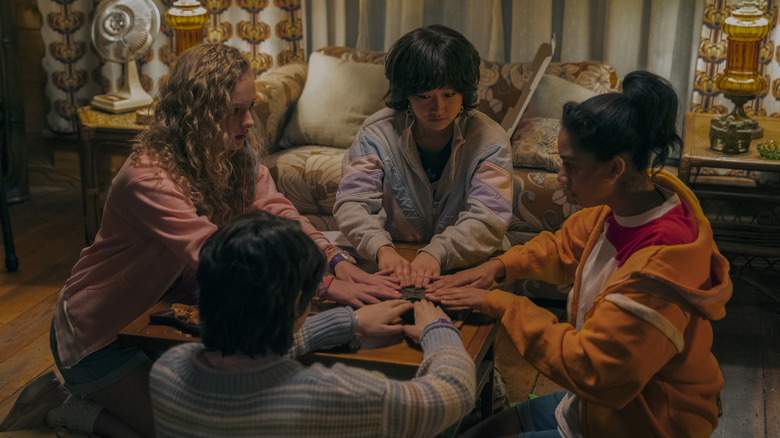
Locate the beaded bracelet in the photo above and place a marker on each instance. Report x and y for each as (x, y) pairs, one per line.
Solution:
(335, 255)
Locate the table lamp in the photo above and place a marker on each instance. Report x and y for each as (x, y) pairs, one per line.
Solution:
(740, 82)
(188, 19)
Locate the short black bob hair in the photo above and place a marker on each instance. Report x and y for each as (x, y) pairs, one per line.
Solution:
(251, 274)
(428, 58)
(640, 122)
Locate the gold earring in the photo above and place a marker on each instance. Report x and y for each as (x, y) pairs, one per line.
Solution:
(461, 111)
(409, 111)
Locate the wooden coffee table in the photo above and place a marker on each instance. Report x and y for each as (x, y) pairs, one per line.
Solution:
(398, 357)
(395, 357)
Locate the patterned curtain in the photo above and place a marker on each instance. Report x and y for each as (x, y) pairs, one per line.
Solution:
(269, 33)
(711, 62)
(656, 35)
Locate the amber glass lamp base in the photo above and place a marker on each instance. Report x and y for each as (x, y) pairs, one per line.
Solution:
(732, 134)
(188, 18)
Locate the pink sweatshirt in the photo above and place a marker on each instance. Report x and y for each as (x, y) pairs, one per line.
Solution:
(150, 235)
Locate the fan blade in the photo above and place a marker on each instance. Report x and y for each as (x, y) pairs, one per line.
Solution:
(125, 29)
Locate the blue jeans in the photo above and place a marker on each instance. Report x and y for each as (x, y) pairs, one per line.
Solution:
(101, 368)
(537, 415)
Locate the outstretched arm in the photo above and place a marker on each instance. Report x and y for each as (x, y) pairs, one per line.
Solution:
(384, 284)
(338, 326)
(359, 210)
(443, 390)
(482, 277)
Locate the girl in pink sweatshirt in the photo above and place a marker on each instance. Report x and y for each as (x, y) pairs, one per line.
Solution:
(193, 170)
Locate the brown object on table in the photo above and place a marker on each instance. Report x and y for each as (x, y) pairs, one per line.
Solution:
(697, 153)
(144, 116)
(412, 293)
(180, 316)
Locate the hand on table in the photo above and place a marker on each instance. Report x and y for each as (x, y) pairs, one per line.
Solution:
(388, 259)
(482, 277)
(358, 294)
(459, 296)
(425, 312)
(384, 283)
(424, 268)
(375, 319)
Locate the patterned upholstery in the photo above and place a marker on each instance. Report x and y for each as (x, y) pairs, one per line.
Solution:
(277, 92)
(501, 84)
(309, 175)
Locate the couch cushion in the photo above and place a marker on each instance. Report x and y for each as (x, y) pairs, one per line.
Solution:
(535, 144)
(337, 97)
(308, 176)
(540, 204)
(500, 86)
(551, 94)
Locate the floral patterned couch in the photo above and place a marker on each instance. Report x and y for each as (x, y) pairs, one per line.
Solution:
(308, 174)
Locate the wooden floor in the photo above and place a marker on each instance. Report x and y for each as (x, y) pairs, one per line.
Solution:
(48, 235)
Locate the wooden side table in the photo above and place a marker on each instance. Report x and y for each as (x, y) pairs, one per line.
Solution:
(100, 131)
(697, 153)
(745, 221)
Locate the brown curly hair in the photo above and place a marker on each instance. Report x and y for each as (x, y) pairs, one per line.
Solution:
(188, 136)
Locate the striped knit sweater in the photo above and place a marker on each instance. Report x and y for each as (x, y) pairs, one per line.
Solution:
(283, 398)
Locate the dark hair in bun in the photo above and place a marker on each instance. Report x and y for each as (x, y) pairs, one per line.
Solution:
(639, 122)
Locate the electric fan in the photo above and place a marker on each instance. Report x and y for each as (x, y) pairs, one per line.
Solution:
(121, 32)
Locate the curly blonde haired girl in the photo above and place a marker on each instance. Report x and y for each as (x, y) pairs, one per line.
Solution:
(195, 168)
(189, 137)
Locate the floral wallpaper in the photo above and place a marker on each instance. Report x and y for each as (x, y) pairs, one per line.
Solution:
(711, 62)
(269, 32)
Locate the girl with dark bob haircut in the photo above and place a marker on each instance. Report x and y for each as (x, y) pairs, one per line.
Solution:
(257, 278)
(429, 168)
(432, 57)
(634, 353)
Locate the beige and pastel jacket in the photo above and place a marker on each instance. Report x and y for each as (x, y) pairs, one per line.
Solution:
(384, 194)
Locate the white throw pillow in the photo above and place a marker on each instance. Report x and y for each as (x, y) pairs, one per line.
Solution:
(336, 99)
(551, 94)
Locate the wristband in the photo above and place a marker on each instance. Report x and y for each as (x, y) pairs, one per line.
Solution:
(324, 286)
(439, 321)
(335, 260)
(336, 255)
(442, 320)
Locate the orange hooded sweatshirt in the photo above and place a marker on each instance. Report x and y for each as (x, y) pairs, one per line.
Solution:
(641, 363)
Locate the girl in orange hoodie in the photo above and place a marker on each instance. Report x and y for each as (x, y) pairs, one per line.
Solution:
(635, 354)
